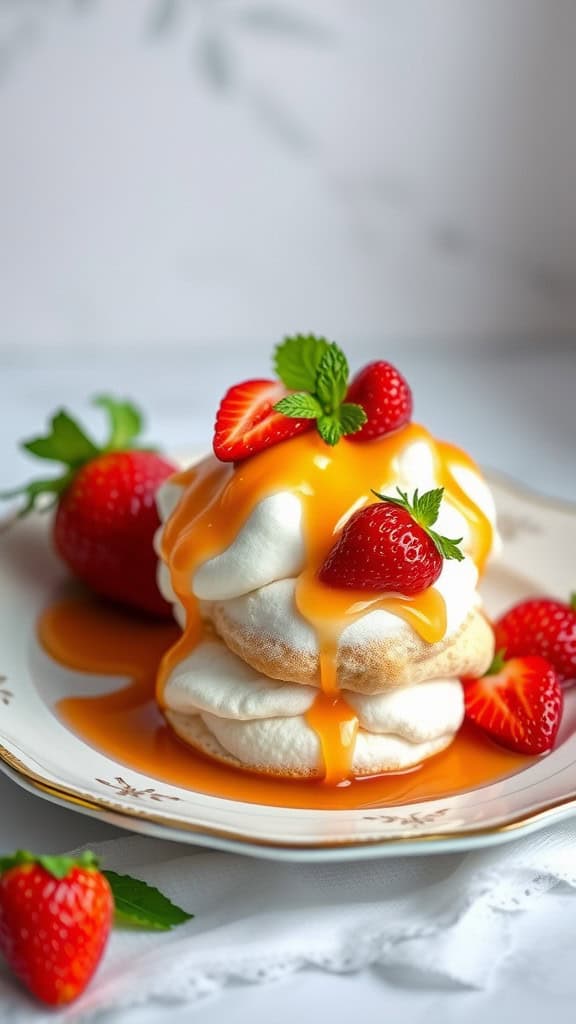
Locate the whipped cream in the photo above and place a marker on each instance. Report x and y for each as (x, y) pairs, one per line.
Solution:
(261, 722)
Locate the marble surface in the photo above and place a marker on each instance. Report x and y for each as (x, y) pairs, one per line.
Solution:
(515, 412)
(185, 168)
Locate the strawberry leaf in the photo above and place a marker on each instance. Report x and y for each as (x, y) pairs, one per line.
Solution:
(125, 422)
(332, 378)
(66, 442)
(299, 406)
(427, 507)
(141, 904)
(59, 866)
(35, 490)
(297, 359)
(448, 548)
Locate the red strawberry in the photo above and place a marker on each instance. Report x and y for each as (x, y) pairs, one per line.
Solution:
(391, 547)
(55, 917)
(541, 626)
(519, 703)
(386, 398)
(246, 422)
(106, 514)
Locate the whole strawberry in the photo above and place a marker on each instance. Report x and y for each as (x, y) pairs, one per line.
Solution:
(105, 505)
(544, 627)
(55, 918)
(391, 546)
(384, 394)
(518, 702)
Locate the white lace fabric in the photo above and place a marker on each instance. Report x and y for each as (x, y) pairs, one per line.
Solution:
(451, 919)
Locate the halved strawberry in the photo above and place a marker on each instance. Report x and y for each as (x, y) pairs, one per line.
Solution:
(518, 702)
(246, 422)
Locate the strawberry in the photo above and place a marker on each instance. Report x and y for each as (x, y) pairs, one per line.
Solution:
(391, 546)
(518, 702)
(384, 394)
(246, 421)
(55, 917)
(105, 505)
(541, 626)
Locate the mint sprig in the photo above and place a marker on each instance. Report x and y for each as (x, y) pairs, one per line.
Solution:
(318, 370)
(140, 904)
(424, 510)
(67, 443)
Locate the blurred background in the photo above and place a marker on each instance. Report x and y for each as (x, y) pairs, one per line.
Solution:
(182, 182)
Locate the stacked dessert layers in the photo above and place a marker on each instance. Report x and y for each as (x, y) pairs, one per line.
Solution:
(278, 672)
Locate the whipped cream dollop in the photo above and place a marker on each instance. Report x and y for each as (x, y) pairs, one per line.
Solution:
(261, 723)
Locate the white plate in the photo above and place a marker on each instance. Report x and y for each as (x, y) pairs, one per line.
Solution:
(40, 752)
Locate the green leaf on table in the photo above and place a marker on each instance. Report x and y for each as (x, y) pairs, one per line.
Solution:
(141, 904)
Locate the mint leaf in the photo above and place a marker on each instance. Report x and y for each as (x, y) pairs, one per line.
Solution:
(427, 507)
(296, 361)
(125, 422)
(332, 378)
(329, 429)
(299, 406)
(352, 417)
(141, 904)
(65, 443)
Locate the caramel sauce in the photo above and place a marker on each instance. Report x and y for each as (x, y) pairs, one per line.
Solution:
(331, 484)
(89, 636)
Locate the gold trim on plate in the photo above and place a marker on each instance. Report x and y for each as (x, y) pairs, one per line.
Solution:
(92, 803)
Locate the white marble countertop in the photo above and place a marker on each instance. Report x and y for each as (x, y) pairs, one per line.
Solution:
(515, 412)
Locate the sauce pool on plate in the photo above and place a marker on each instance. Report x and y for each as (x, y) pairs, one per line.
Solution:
(85, 635)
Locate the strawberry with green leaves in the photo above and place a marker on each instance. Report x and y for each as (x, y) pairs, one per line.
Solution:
(56, 913)
(105, 504)
(391, 546)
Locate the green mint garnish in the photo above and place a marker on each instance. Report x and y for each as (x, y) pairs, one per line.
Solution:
(296, 361)
(318, 370)
(138, 903)
(67, 443)
(424, 510)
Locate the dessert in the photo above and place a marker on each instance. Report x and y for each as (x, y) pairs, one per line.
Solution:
(290, 664)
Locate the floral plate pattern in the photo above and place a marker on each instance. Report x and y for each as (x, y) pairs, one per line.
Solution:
(42, 754)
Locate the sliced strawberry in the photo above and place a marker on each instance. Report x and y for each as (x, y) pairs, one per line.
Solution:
(246, 422)
(518, 702)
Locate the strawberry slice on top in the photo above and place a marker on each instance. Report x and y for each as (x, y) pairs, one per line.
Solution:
(247, 422)
(518, 702)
